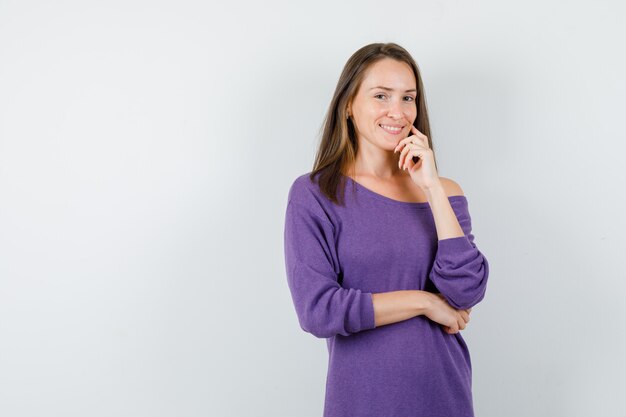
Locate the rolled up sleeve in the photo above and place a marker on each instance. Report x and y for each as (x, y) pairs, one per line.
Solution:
(460, 270)
(324, 308)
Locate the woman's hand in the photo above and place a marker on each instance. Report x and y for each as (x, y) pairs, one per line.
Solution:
(440, 311)
(423, 173)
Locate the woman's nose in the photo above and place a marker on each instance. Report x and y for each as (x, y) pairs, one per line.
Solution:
(395, 110)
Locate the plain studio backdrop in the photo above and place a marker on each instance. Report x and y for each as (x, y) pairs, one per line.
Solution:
(146, 151)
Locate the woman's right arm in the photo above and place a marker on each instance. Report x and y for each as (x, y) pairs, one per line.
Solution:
(394, 306)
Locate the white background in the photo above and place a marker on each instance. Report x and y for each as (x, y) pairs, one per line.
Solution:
(146, 151)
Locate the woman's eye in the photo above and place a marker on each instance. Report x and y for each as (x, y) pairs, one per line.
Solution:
(382, 95)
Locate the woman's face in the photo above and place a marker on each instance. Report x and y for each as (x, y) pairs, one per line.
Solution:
(384, 108)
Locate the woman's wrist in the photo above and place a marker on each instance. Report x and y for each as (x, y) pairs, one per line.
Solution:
(422, 301)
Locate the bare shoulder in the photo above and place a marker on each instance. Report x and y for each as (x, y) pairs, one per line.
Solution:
(451, 187)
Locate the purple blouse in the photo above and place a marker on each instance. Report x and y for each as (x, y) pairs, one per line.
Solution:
(336, 257)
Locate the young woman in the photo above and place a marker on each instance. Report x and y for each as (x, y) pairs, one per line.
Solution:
(388, 272)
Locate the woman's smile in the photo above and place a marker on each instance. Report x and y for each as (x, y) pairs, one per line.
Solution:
(391, 130)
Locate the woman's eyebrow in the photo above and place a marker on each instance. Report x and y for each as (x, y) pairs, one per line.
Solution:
(391, 89)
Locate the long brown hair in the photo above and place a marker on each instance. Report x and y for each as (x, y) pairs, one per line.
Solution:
(338, 145)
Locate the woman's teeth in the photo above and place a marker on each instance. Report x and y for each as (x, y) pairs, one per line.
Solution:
(390, 129)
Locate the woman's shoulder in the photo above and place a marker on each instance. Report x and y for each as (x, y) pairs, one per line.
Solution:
(306, 198)
(451, 187)
(305, 190)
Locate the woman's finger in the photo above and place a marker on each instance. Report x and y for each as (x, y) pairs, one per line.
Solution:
(417, 132)
(413, 151)
(403, 153)
(465, 315)
(421, 136)
(402, 143)
(462, 324)
(408, 139)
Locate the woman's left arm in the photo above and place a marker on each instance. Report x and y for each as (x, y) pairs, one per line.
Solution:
(445, 219)
(460, 271)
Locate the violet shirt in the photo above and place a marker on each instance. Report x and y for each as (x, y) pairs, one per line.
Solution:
(337, 257)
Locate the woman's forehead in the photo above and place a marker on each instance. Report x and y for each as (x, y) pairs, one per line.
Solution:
(390, 74)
